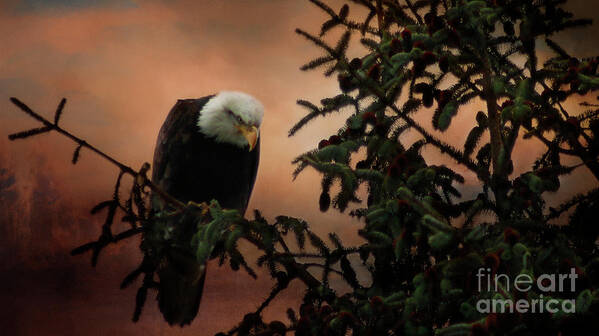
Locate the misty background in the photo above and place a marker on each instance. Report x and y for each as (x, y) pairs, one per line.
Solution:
(122, 65)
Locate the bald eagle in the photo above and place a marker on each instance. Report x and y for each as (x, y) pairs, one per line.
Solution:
(207, 148)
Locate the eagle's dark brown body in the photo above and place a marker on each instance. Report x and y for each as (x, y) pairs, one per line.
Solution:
(191, 167)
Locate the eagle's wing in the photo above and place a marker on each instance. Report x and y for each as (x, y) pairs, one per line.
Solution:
(181, 278)
(172, 145)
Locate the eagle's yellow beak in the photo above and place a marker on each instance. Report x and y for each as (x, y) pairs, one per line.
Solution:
(250, 133)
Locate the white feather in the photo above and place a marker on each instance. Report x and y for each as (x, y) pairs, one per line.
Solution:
(215, 121)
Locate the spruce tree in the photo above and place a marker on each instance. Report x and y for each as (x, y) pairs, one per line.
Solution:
(427, 248)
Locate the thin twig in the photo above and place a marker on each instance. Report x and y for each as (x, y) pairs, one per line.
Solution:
(330, 269)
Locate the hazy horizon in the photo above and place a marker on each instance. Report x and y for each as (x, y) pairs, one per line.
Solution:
(122, 65)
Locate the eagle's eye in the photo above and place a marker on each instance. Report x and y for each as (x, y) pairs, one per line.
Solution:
(237, 118)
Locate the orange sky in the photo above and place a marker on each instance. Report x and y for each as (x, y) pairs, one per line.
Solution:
(122, 65)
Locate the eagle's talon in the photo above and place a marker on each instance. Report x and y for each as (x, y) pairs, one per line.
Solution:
(203, 206)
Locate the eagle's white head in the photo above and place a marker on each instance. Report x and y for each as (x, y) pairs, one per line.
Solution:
(232, 117)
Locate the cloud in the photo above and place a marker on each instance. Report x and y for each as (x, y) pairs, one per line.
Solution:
(122, 67)
(61, 6)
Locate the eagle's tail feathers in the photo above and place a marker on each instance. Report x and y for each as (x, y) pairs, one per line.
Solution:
(180, 290)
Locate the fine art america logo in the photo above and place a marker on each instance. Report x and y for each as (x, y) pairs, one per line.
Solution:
(546, 283)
